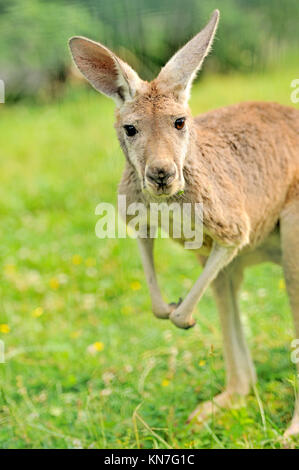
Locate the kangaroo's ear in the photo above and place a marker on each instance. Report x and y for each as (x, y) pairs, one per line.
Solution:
(104, 70)
(178, 74)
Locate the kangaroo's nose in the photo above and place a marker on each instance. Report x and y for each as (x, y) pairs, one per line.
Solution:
(162, 176)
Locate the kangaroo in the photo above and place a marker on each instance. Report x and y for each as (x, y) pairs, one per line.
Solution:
(241, 162)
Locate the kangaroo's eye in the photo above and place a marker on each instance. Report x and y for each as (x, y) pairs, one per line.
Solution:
(130, 130)
(180, 123)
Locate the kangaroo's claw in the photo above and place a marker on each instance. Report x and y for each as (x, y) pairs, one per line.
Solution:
(176, 304)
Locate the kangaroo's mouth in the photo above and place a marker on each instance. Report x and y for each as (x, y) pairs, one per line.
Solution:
(163, 190)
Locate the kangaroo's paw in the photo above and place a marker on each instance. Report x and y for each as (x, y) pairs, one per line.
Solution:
(224, 400)
(163, 312)
(181, 320)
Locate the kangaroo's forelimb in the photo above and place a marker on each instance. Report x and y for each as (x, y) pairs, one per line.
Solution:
(220, 256)
(181, 314)
(160, 308)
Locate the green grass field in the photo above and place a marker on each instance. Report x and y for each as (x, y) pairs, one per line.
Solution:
(87, 364)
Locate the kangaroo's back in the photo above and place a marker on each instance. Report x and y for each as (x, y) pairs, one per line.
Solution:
(246, 122)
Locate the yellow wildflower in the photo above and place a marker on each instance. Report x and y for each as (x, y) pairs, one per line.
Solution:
(98, 346)
(54, 283)
(37, 312)
(4, 328)
(202, 363)
(282, 284)
(135, 285)
(95, 347)
(165, 383)
(76, 260)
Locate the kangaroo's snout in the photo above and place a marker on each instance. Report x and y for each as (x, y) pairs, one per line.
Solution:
(160, 175)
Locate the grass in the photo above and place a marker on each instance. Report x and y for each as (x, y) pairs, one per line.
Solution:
(87, 364)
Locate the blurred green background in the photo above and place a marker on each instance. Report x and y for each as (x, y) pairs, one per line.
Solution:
(34, 57)
(87, 364)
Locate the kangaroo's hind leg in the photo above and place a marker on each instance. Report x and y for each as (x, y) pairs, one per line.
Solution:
(240, 373)
(289, 223)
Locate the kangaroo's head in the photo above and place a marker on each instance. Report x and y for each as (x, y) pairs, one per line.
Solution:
(153, 120)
